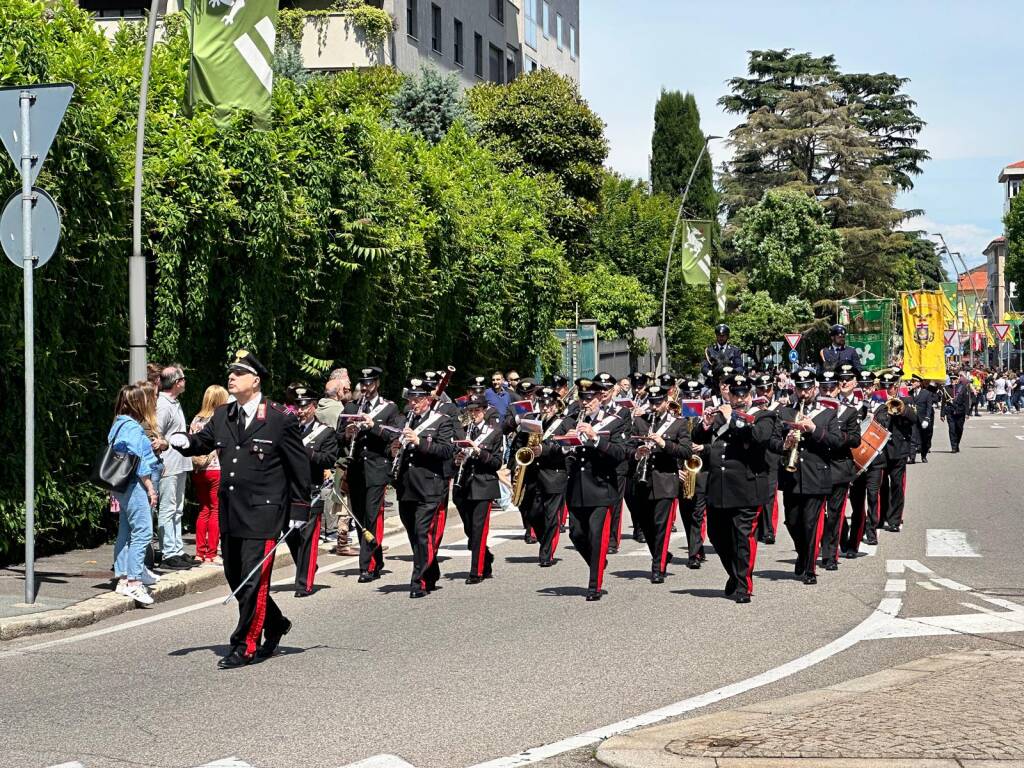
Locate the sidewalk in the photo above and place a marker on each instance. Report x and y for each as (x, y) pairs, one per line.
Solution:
(957, 710)
(76, 589)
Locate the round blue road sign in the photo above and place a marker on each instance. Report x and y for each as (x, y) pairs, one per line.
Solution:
(793, 356)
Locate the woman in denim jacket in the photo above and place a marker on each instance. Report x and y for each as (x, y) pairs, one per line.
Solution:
(135, 415)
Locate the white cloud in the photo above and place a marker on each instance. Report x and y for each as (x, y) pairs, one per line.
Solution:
(969, 239)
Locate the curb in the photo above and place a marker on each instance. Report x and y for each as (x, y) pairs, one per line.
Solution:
(653, 747)
(103, 606)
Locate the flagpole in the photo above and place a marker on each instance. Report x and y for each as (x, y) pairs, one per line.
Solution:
(663, 365)
(136, 263)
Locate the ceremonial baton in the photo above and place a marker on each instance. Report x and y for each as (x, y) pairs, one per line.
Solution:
(267, 556)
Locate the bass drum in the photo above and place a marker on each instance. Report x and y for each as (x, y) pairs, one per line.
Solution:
(873, 437)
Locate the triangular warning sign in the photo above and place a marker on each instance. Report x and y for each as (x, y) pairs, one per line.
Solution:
(1001, 330)
(948, 335)
(46, 111)
(793, 339)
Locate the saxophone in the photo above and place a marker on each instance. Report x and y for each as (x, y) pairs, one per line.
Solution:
(524, 458)
(793, 457)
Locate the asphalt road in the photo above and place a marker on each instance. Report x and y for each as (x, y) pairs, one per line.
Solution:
(475, 673)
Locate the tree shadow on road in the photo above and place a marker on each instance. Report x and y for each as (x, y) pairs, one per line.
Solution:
(632, 575)
(703, 593)
(563, 591)
(776, 575)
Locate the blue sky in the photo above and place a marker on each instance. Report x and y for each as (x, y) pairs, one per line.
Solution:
(958, 55)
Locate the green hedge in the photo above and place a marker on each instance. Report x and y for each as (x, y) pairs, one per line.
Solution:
(329, 238)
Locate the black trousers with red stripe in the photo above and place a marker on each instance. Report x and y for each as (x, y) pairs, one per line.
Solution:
(545, 513)
(768, 520)
(616, 535)
(590, 532)
(476, 521)
(424, 524)
(368, 509)
(693, 513)
(805, 519)
(655, 518)
(303, 543)
(894, 492)
(256, 608)
(865, 507)
(732, 533)
(835, 516)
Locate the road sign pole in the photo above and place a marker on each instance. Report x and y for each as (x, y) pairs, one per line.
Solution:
(28, 267)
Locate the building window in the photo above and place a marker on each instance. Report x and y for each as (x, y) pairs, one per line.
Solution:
(412, 22)
(478, 55)
(511, 70)
(558, 30)
(495, 65)
(1013, 188)
(435, 28)
(459, 57)
(545, 18)
(530, 25)
(572, 42)
(497, 10)
(531, 65)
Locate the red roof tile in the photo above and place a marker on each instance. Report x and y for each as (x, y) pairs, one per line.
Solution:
(1016, 165)
(975, 279)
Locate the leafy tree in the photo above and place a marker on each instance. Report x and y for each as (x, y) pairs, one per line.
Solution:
(675, 146)
(429, 105)
(541, 124)
(618, 302)
(1013, 224)
(788, 246)
(759, 320)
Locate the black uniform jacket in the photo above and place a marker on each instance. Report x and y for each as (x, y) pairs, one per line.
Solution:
(264, 470)
(422, 469)
(662, 473)
(924, 403)
(959, 402)
(720, 357)
(901, 428)
(478, 477)
(813, 476)
(843, 469)
(370, 452)
(549, 467)
(593, 479)
(833, 357)
(734, 459)
(321, 443)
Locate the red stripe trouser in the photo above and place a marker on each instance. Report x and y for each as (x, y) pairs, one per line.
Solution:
(805, 519)
(256, 608)
(731, 531)
(545, 511)
(655, 518)
(589, 531)
(303, 543)
(476, 520)
(424, 524)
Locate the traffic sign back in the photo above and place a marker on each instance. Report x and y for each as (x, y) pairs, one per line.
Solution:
(45, 228)
(777, 346)
(46, 113)
(793, 339)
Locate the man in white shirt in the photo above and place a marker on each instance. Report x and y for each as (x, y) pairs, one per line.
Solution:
(171, 419)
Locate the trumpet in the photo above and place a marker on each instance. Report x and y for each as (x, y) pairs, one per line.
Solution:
(643, 461)
(895, 407)
(793, 457)
(691, 467)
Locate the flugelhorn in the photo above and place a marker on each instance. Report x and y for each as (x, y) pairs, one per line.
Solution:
(692, 466)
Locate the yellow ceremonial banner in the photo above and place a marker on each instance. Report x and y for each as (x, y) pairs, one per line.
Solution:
(925, 317)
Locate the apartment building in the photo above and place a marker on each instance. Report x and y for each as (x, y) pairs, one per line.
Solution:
(480, 40)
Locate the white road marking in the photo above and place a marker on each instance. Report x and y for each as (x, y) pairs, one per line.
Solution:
(928, 585)
(1019, 437)
(996, 426)
(950, 584)
(75, 764)
(227, 762)
(380, 761)
(896, 585)
(948, 542)
(899, 566)
(460, 548)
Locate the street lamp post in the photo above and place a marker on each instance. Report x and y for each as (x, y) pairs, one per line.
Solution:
(970, 278)
(663, 364)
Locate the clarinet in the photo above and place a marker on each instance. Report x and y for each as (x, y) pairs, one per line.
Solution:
(352, 444)
(397, 463)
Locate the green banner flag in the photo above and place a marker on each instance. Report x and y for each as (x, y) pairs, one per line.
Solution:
(232, 56)
(695, 251)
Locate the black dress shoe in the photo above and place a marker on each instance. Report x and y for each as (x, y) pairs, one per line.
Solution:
(235, 659)
(693, 563)
(657, 578)
(365, 577)
(911, 461)
(593, 595)
(831, 566)
(612, 549)
(872, 540)
(638, 535)
(418, 593)
(546, 563)
(302, 593)
(272, 639)
(741, 599)
(851, 554)
(701, 556)
(810, 578)
(475, 580)
(769, 539)
(924, 459)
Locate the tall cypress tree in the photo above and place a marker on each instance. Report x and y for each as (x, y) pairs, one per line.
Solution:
(675, 146)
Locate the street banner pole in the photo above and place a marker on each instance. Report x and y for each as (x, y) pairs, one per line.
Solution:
(28, 268)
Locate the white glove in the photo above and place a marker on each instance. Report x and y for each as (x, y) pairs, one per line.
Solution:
(178, 440)
(924, 424)
(293, 524)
